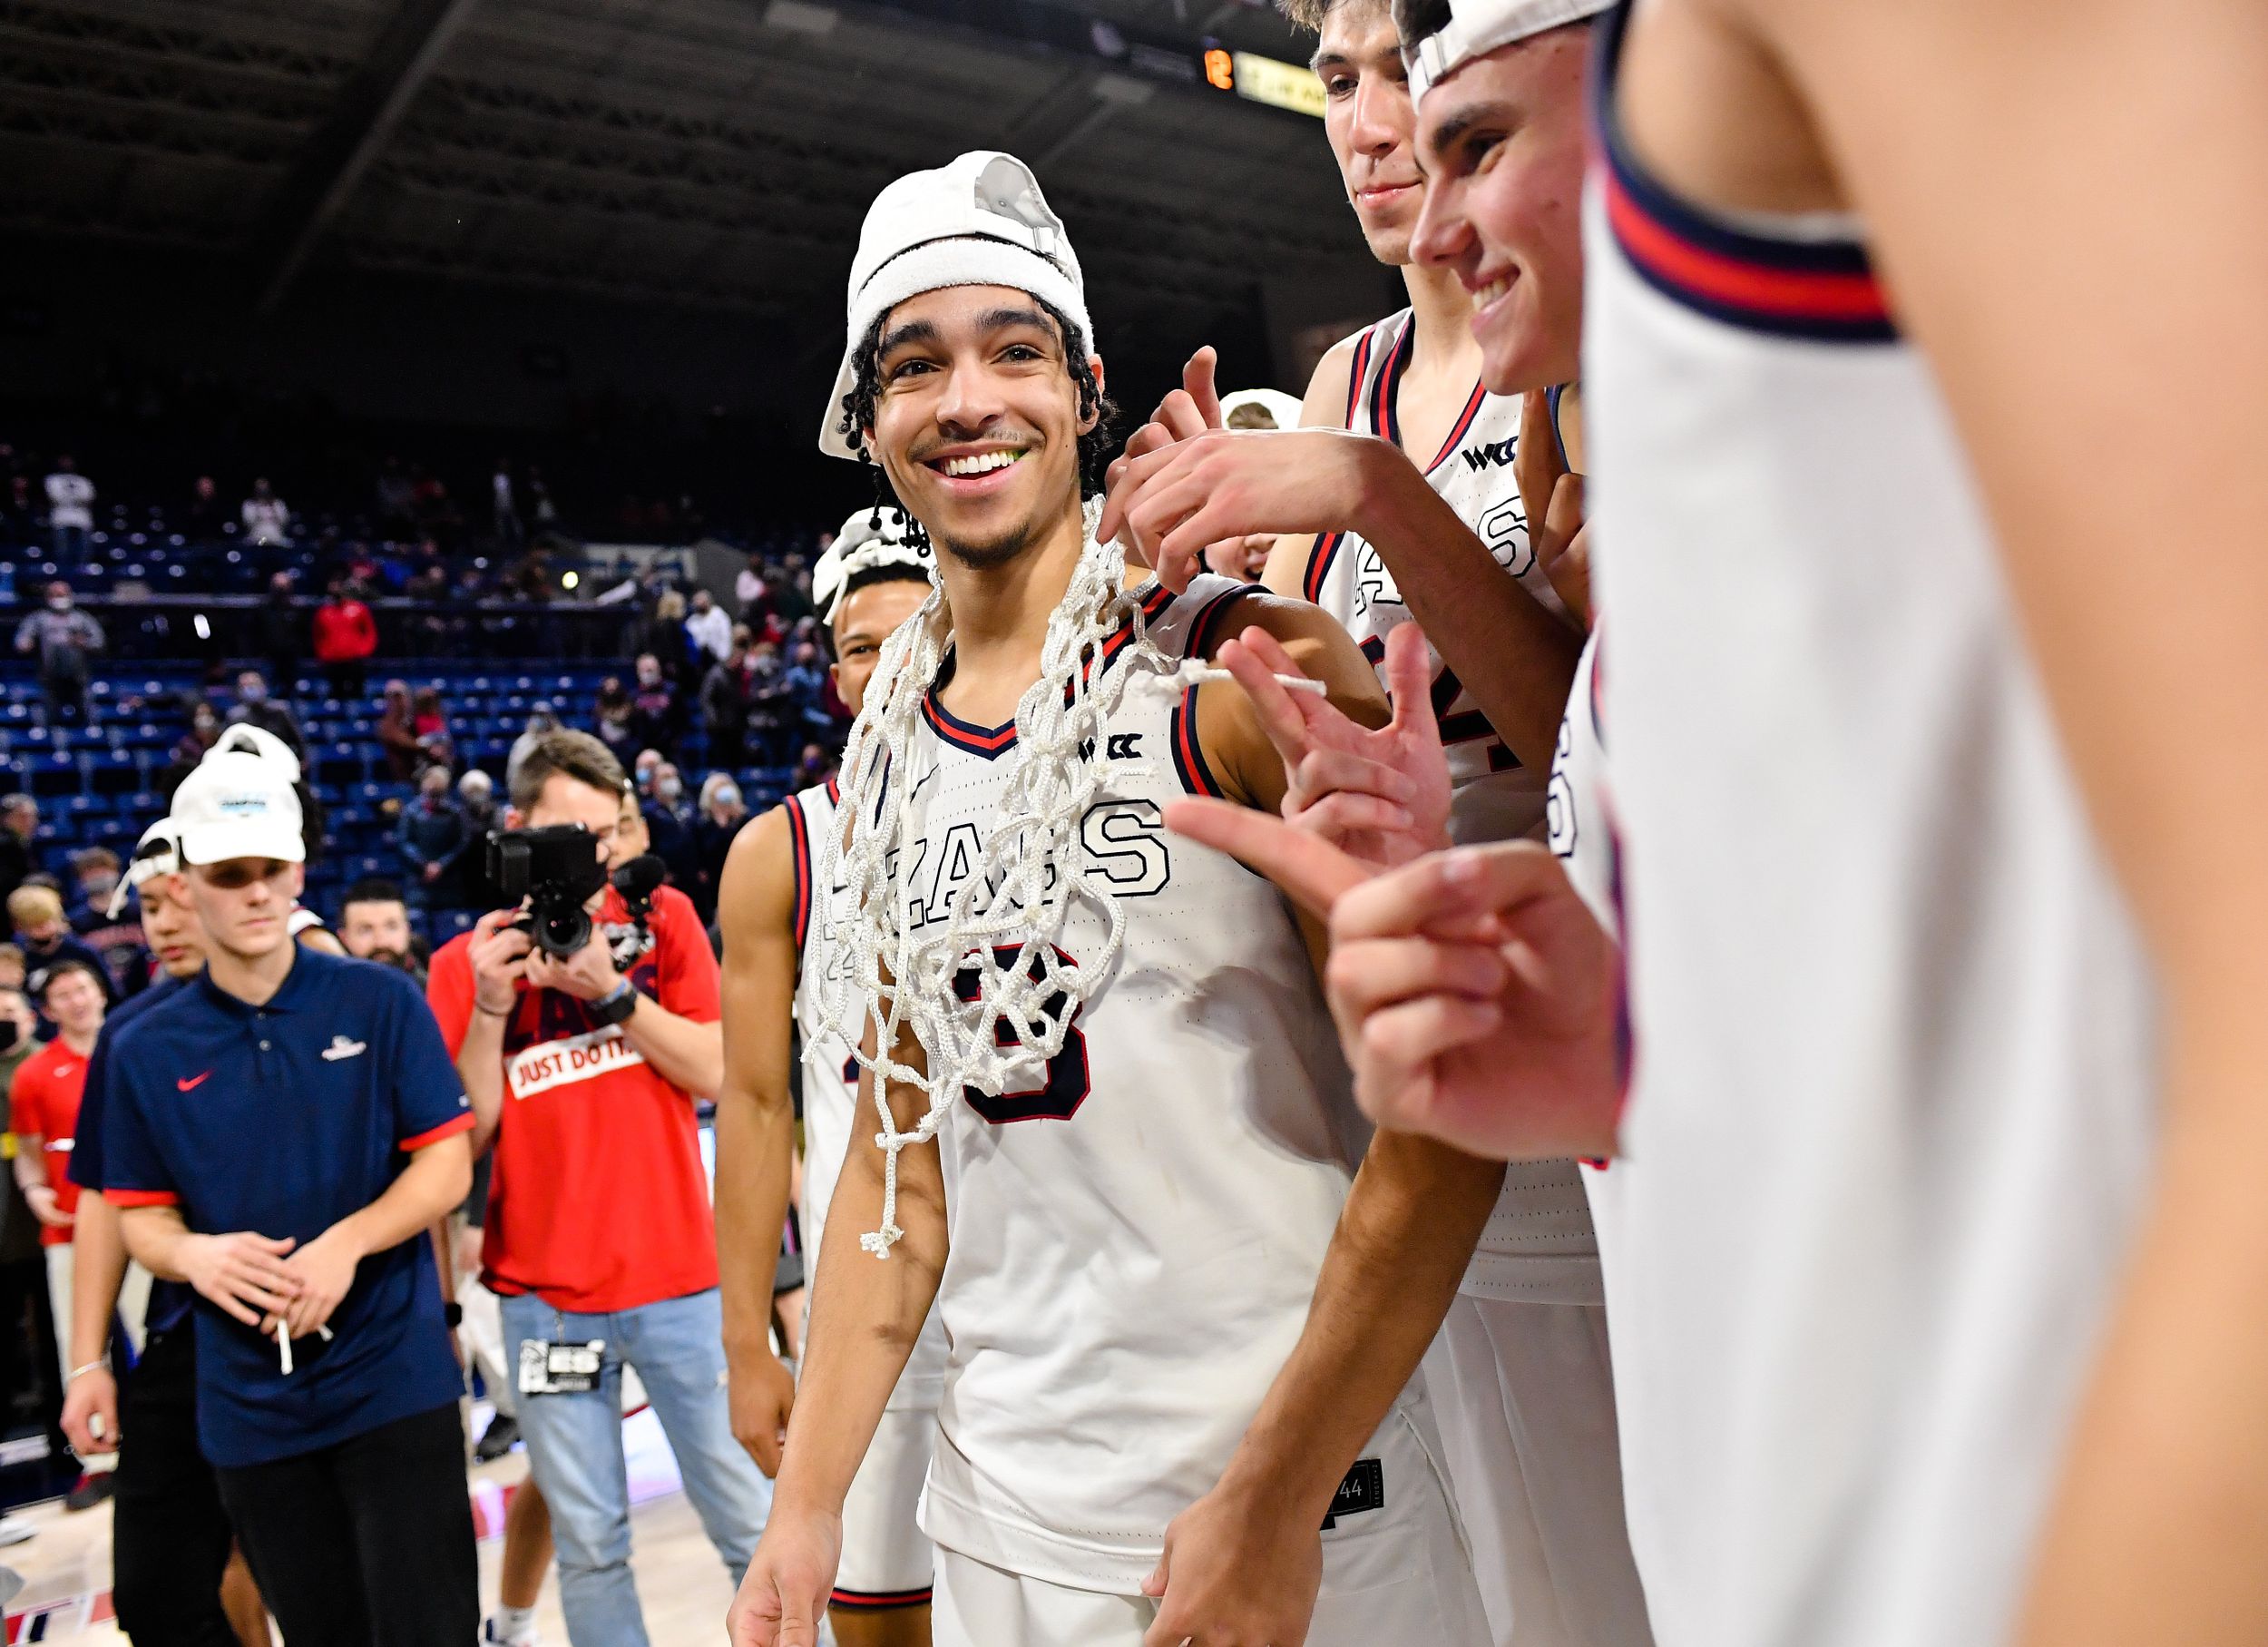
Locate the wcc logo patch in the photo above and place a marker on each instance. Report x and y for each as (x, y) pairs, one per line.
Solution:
(1491, 454)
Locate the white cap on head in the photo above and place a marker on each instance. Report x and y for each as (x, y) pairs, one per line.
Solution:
(241, 739)
(159, 852)
(1477, 27)
(238, 805)
(980, 221)
(860, 546)
(1276, 403)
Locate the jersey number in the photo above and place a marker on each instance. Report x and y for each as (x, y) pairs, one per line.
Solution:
(1067, 1084)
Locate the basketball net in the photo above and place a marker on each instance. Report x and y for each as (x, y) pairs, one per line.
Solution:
(903, 983)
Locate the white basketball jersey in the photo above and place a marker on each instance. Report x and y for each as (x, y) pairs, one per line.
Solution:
(1537, 1245)
(1135, 1229)
(830, 1087)
(1892, 1111)
(1496, 798)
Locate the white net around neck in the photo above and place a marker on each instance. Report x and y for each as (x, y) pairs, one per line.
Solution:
(1027, 879)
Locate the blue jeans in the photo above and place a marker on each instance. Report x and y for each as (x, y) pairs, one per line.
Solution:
(575, 1447)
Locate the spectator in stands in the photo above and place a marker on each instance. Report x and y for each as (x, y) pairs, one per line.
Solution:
(12, 972)
(611, 719)
(267, 520)
(641, 773)
(432, 833)
(653, 720)
(630, 839)
(346, 636)
(600, 1226)
(66, 641)
(791, 590)
(70, 511)
(280, 638)
(771, 706)
(430, 722)
(476, 798)
(709, 629)
(201, 517)
(815, 768)
(254, 707)
(397, 734)
(36, 913)
(506, 514)
(723, 812)
(670, 826)
(116, 937)
(542, 719)
(807, 676)
(19, 819)
(374, 925)
(204, 731)
(724, 702)
(748, 592)
(44, 1114)
(663, 632)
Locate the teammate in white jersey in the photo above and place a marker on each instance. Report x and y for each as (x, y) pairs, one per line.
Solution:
(1173, 1326)
(771, 911)
(1521, 1378)
(1917, 1135)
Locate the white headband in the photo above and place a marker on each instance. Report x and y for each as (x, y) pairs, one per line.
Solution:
(860, 546)
(158, 853)
(1477, 27)
(1284, 408)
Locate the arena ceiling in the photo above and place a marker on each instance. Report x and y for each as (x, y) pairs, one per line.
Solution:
(715, 153)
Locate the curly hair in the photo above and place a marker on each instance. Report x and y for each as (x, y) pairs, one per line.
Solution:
(1096, 447)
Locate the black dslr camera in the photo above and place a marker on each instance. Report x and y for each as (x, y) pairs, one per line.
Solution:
(556, 870)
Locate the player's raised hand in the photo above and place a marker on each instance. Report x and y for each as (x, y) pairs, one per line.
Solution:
(1553, 500)
(784, 1597)
(1176, 499)
(1234, 1573)
(1380, 795)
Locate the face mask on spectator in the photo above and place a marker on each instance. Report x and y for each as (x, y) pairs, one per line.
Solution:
(668, 789)
(98, 887)
(59, 603)
(252, 692)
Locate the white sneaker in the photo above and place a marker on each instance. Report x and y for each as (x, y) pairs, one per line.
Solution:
(15, 1530)
(493, 1634)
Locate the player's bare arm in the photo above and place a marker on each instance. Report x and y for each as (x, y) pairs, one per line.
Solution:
(755, 1122)
(865, 1318)
(1322, 407)
(1516, 657)
(2037, 333)
(1248, 1556)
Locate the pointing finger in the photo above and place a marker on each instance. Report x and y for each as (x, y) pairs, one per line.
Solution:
(1455, 887)
(1197, 379)
(1312, 873)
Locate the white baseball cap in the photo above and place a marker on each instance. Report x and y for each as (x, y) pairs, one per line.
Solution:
(245, 739)
(238, 805)
(1477, 27)
(861, 545)
(1276, 403)
(159, 852)
(980, 221)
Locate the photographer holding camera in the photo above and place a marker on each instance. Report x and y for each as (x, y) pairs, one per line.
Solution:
(585, 1025)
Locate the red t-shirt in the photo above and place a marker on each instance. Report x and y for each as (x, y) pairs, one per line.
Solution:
(597, 1199)
(43, 1099)
(344, 630)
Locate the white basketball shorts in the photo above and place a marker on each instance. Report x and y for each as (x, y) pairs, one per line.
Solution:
(887, 1557)
(1394, 1573)
(1524, 1395)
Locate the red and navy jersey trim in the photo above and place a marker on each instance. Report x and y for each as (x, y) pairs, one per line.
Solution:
(1385, 406)
(876, 1600)
(799, 845)
(1319, 559)
(1823, 290)
(990, 742)
(1202, 638)
(1464, 422)
(1188, 751)
(1356, 374)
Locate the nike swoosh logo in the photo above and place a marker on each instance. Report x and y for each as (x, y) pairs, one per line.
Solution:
(187, 1085)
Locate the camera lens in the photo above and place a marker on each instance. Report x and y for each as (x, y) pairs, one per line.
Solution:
(564, 931)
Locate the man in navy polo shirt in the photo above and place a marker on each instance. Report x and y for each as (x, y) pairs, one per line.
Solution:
(174, 1579)
(279, 1135)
